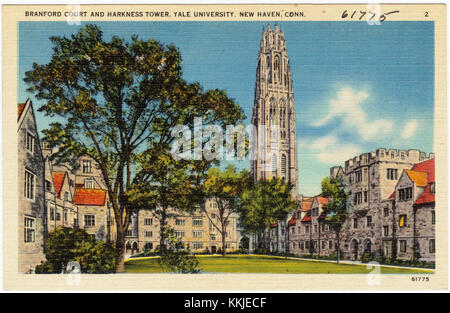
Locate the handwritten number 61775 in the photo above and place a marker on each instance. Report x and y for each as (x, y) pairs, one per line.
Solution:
(369, 15)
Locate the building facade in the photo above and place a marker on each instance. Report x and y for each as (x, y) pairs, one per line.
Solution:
(77, 197)
(31, 209)
(196, 230)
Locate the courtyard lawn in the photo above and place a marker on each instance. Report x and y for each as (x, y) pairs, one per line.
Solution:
(263, 264)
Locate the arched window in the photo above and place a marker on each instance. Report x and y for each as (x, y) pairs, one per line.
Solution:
(272, 112)
(269, 69)
(283, 166)
(277, 68)
(274, 164)
(282, 114)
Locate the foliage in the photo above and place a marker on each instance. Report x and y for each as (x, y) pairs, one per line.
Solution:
(225, 188)
(175, 257)
(263, 203)
(99, 257)
(163, 184)
(64, 245)
(338, 207)
(367, 256)
(115, 99)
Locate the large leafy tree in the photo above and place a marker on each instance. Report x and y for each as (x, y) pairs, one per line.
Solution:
(115, 99)
(337, 208)
(163, 184)
(264, 203)
(225, 189)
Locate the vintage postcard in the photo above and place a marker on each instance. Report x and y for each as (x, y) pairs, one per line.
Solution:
(224, 147)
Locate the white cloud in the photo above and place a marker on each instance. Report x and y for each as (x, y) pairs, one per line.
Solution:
(330, 150)
(409, 129)
(346, 107)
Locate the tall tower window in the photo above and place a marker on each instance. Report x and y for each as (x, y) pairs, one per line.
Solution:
(277, 68)
(283, 166)
(269, 69)
(274, 164)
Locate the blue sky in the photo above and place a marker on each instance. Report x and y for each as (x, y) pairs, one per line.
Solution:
(357, 87)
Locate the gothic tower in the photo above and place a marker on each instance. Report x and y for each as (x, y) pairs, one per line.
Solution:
(274, 112)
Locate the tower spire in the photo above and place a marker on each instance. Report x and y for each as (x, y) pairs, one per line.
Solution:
(274, 111)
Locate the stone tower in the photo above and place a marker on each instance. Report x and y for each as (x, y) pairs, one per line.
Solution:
(274, 112)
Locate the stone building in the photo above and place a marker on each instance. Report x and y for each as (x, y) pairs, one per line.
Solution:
(31, 210)
(298, 232)
(391, 209)
(195, 230)
(310, 233)
(77, 197)
(409, 216)
(371, 178)
(274, 120)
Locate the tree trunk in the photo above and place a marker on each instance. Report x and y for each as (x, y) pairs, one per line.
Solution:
(120, 251)
(162, 237)
(223, 238)
(338, 251)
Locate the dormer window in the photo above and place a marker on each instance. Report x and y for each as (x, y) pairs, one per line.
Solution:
(89, 183)
(405, 194)
(87, 166)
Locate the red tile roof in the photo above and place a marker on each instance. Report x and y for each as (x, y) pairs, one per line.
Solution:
(322, 200)
(306, 206)
(392, 196)
(20, 108)
(427, 167)
(274, 225)
(292, 221)
(89, 196)
(306, 218)
(58, 181)
(425, 197)
(322, 215)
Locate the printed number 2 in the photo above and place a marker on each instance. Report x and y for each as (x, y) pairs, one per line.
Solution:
(426, 14)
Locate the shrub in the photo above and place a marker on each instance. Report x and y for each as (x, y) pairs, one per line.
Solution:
(64, 245)
(366, 257)
(96, 258)
(175, 257)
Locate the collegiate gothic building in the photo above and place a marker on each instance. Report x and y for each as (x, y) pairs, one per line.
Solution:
(274, 119)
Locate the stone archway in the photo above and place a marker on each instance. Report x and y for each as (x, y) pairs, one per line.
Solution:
(354, 249)
(135, 247)
(367, 246)
(128, 246)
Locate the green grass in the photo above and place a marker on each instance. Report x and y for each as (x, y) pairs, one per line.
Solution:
(263, 264)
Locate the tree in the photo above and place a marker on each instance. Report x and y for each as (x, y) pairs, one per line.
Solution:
(115, 99)
(224, 188)
(263, 204)
(163, 184)
(338, 206)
